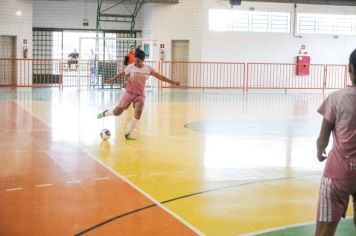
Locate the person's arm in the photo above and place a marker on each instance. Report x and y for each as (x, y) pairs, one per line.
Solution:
(118, 75)
(165, 79)
(323, 140)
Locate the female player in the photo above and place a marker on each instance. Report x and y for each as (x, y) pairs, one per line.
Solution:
(138, 73)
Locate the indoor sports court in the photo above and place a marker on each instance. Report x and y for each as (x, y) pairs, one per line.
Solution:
(231, 150)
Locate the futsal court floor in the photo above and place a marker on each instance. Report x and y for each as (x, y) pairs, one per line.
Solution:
(204, 163)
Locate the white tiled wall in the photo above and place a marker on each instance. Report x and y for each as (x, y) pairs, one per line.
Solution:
(188, 20)
(182, 21)
(19, 26)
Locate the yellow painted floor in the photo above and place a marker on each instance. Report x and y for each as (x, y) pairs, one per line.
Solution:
(224, 162)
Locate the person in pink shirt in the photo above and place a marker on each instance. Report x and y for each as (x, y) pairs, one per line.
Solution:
(339, 179)
(138, 73)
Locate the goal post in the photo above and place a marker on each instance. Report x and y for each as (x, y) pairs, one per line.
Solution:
(101, 58)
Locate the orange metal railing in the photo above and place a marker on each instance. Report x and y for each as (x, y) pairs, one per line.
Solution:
(194, 75)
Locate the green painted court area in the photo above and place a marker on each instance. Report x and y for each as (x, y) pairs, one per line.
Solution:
(345, 228)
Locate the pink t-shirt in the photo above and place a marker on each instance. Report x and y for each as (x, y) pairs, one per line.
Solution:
(339, 108)
(137, 78)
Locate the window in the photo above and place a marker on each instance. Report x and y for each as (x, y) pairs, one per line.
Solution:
(42, 44)
(249, 21)
(309, 23)
(46, 46)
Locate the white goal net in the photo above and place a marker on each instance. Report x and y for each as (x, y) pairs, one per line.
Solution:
(101, 58)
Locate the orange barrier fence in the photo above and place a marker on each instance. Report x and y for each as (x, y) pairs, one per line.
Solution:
(195, 75)
(31, 72)
(283, 76)
(205, 74)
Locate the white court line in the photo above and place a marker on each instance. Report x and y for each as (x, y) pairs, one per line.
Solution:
(73, 182)
(50, 157)
(173, 117)
(157, 173)
(101, 179)
(163, 207)
(43, 185)
(19, 151)
(128, 176)
(13, 189)
(164, 136)
(281, 227)
(40, 146)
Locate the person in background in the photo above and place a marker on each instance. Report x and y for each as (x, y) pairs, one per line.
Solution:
(130, 57)
(92, 62)
(73, 59)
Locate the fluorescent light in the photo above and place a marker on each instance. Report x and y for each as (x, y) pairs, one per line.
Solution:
(19, 13)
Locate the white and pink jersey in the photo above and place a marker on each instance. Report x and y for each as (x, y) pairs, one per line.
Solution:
(137, 78)
(339, 108)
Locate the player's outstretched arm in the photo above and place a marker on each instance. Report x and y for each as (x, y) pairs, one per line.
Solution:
(118, 75)
(165, 79)
(323, 140)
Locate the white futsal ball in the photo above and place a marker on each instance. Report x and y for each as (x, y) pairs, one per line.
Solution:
(105, 134)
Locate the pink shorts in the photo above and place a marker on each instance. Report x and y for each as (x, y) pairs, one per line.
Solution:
(334, 198)
(128, 98)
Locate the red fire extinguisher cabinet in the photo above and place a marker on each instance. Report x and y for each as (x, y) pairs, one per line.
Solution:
(303, 65)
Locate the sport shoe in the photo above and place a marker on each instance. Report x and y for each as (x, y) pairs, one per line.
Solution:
(101, 114)
(129, 137)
